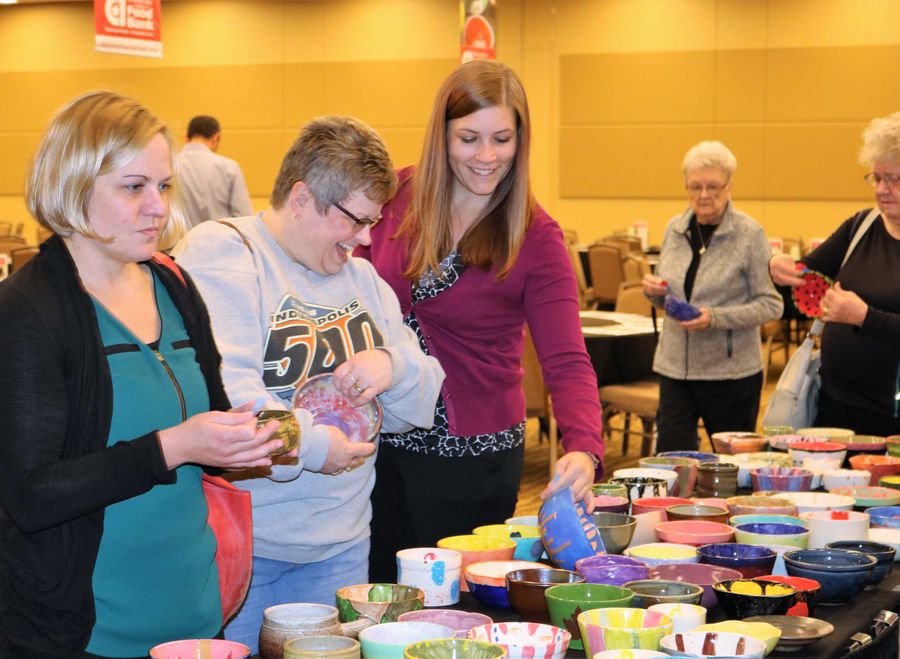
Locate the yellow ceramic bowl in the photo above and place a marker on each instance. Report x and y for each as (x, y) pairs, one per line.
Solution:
(527, 538)
(661, 553)
(477, 549)
(763, 631)
(622, 629)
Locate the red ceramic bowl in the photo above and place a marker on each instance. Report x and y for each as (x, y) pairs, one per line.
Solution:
(807, 593)
(877, 465)
(639, 506)
(687, 532)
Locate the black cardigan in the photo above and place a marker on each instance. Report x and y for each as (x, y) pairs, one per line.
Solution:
(56, 473)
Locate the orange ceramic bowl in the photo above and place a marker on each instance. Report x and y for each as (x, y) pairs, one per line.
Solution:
(877, 465)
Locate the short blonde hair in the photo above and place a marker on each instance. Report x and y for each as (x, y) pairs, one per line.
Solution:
(881, 141)
(336, 156)
(94, 134)
(709, 154)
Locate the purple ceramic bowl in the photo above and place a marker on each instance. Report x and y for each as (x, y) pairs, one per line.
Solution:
(611, 569)
(610, 504)
(699, 574)
(781, 479)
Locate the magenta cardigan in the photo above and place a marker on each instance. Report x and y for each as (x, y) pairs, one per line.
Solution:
(475, 330)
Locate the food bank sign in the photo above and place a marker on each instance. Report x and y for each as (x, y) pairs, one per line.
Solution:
(129, 27)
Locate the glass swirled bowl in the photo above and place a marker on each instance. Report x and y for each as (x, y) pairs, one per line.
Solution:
(330, 407)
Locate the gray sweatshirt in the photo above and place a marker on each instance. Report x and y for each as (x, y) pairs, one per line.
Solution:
(278, 324)
(733, 281)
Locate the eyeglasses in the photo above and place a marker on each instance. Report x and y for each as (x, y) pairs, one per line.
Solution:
(874, 179)
(713, 189)
(359, 223)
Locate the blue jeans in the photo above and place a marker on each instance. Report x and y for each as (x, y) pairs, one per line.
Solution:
(278, 582)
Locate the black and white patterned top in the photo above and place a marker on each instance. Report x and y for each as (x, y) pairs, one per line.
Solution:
(437, 440)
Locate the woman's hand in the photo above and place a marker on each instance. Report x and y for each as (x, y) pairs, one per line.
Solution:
(575, 470)
(229, 440)
(344, 455)
(654, 286)
(840, 306)
(701, 322)
(785, 271)
(365, 375)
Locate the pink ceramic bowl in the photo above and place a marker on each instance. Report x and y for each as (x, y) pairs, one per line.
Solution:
(461, 621)
(877, 465)
(699, 574)
(697, 533)
(606, 503)
(760, 505)
(639, 506)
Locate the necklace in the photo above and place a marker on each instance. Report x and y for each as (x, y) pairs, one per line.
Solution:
(700, 238)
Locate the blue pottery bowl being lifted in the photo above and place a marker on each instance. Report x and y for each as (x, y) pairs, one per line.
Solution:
(842, 573)
(567, 531)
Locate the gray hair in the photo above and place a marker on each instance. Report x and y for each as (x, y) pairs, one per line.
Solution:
(709, 154)
(881, 141)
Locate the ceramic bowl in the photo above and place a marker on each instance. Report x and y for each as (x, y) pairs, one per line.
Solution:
(685, 468)
(785, 479)
(826, 433)
(622, 629)
(648, 504)
(699, 574)
(749, 560)
(747, 461)
(886, 536)
(613, 570)
(659, 591)
(696, 512)
(453, 648)
(381, 602)
(387, 640)
(330, 407)
(780, 442)
(487, 580)
(525, 640)
(661, 553)
(699, 456)
(642, 487)
(567, 531)
(566, 601)
(629, 654)
(807, 593)
(616, 530)
(526, 590)
(817, 455)
(757, 505)
(477, 549)
(732, 443)
(885, 516)
(460, 621)
(862, 444)
(609, 489)
(713, 644)
(605, 503)
(667, 475)
(685, 617)
(768, 533)
(767, 519)
(211, 648)
(834, 478)
(832, 525)
(687, 532)
(892, 444)
(761, 631)
(841, 572)
(524, 520)
(892, 482)
(742, 598)
(809, 501)
(884, 554)
(877, 465)
(527, 539)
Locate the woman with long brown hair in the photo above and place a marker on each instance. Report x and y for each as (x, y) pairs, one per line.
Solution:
(472, 259)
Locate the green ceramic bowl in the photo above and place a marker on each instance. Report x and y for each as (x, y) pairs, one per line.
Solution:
(566, 601)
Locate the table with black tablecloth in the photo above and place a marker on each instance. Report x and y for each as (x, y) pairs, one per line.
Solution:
(620, 345)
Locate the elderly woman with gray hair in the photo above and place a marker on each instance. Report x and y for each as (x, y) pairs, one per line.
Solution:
(716, 258)
(860, 368)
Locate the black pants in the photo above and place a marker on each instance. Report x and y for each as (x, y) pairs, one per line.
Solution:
(833, 413)
(419, 499)
(722, 404)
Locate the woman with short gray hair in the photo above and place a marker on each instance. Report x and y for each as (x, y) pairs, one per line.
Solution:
(715, 258)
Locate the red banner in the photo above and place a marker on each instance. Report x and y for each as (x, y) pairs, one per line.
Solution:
(478, 39)
(129, 27)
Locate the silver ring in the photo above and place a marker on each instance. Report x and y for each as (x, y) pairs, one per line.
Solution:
(357, 388)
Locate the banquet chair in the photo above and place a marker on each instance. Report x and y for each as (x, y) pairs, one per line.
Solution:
(570, 236)
(21, 256)
(537, 400)
(631, 299)
(634, 267)
(775, 336)
(586, 299)
(11, 242)
(632, 399)
(606, 273)
(627, 244)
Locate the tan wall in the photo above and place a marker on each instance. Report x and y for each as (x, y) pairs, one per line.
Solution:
(618, 90)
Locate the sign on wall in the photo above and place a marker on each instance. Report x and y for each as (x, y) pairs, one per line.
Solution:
(128, 27)
(478, 39)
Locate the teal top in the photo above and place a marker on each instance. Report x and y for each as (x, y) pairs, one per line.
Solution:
(155, 578)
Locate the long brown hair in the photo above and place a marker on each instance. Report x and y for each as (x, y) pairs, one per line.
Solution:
(496, 237)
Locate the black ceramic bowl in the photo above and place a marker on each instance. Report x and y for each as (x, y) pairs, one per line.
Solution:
(742, 598)
(884, 554)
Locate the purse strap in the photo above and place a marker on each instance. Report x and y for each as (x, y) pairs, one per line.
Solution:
(860, 231)
(167, 261)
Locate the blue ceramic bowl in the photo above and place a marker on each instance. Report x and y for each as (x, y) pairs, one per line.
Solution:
(885, 516)
(696, 455)
(496, 597)
(567, 531)
(842, 573)
(884, 554)
(750, 560)
(781, 479)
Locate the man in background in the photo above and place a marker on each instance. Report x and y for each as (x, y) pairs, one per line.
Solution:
(212, 186)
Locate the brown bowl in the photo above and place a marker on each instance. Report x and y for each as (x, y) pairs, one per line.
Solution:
(760, 505)
(526, 590)
(696, 511)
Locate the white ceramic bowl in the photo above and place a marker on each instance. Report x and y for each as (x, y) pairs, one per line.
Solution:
(748, 461)
(845, 478)
(684, 616)
(524, 640)
(810, 501)
(817, 455)
(667, 475)
(887, 536)
(722, 644)
(832, 525)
